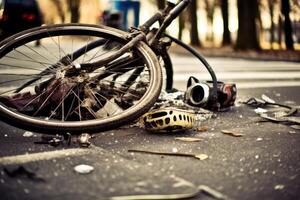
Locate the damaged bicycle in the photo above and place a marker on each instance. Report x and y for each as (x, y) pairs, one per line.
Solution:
(88, 78)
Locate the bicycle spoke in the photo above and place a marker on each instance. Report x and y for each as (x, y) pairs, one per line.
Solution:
(50, 52)
(61, 103)
(107, 100)
(15, 80)
(99, 49)
(30, 58)
(99, 102)
(60, 49)
(37, 53)
(121, 83)
(101, 55)
(25, 60)
(90, 111)
(70, 109)
(85, 50)
(33, 100)
(45, 101)
(20, 67)
(4, 74)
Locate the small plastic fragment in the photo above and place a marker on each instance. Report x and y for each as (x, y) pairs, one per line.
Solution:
(212, 192)
(83, 169)
(260, 110)
(28, 134)
(296, 127)
(267, 99)
(201, 156)
(188, 139)
(279, 187)
(231, 133)
(202, 129)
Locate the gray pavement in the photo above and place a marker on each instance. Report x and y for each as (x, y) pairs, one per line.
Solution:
(262, 164)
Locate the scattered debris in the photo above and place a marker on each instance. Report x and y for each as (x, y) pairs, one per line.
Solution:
(267, 99)
(212, 192)
(272, 111)
(201, 156)
(197, 190)
(83, 169)
(260, 110)
(292, 132)
(279, 187)
(297, 127)
(259, 139)
(55, 140)
(290, 102)
(202, 129)
(232, 133)
(28, 134)
(180, 182)
(254, 102)
(189, 139)
(83, 140)
(197, 156)
(21, 171)
(293, 119)
(51, 140)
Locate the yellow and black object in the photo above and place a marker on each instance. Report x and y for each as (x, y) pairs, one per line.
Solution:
(169, 119)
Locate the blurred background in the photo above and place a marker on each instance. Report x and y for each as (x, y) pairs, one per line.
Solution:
(236, 24)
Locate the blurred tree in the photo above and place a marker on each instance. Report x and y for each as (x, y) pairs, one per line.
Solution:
(247, 37)
(210, 10)
(271, 4)
(226, 32)
(74, 10)
(285, 10)
(280, 31)
(181, 22)
(193, 7)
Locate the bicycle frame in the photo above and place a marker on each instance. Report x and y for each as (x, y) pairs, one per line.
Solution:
(152, 37)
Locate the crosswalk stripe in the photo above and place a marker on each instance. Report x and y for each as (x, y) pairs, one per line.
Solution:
(243, 76)
(245, 73)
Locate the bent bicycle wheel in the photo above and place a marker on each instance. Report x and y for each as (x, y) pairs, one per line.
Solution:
(43, 87)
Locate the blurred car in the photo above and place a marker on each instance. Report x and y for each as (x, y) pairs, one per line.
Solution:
(18, 15)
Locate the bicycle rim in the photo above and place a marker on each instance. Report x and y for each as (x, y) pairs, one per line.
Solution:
(39, 92)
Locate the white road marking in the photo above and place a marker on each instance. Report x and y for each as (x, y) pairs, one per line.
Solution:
(26, 158)
(245, 73)
(242, 75)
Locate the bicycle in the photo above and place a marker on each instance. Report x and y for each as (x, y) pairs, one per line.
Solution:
(87, 78)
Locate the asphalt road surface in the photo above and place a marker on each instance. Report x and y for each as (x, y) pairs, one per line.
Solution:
(262, 164)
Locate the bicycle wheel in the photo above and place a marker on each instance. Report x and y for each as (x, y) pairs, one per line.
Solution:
(40, 89)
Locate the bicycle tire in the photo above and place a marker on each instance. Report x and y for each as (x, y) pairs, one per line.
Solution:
(52, 126)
